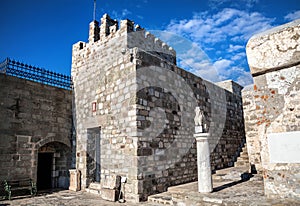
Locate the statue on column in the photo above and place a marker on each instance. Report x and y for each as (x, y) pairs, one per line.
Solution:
(199, 121)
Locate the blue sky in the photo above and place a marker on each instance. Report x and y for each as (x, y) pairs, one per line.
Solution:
(41, 33)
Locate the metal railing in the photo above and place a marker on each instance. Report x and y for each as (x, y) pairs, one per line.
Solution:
(17, 69)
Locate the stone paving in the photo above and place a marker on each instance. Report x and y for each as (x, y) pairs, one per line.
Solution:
(226, 192)
(232, 187)
(63, 198)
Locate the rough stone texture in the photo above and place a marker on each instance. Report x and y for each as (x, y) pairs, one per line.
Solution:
(35, 118)
(250, 118)
(109, 194)
(274, 62)
(145, 110)
(274, 49)
(74, 180)
(169, 158)
(112, 182)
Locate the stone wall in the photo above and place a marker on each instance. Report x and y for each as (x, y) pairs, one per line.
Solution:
(102, 74)
(127, 85)
(250, 117)
(274, 61)
(34, 117)
(166, 101)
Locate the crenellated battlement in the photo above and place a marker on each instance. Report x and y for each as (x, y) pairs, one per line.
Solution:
(136, 36)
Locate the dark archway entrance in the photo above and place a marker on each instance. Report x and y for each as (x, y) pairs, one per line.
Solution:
(44, 176)
(53, 164)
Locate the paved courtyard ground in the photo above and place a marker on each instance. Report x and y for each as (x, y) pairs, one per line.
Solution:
(233, 193)
(229, 190)
(62, 198)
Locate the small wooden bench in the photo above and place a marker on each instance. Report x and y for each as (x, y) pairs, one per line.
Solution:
(14, 185)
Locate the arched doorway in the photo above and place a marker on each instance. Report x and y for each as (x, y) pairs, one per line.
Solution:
(54, 162)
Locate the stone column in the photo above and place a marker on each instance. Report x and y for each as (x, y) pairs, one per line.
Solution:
(74, 180)
(203, 163)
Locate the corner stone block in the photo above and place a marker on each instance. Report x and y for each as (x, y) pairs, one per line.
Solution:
(273, 49)
(109, 194)
(112, 182)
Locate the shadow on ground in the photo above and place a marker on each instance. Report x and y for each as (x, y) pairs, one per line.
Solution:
(244, 177)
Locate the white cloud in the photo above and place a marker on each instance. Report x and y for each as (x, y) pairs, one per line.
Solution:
(193, 58)
(125, 12)
(245, 78)
(119, 15)
(293, 16)
(140, 17)
(224, 34)
(238, 56)
(197, 62)
(189, 54)
(229, 22)
(222, 64)
(234, 48)
(236, 4)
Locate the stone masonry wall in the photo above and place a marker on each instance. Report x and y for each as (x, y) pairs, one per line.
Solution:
(102, 73)
(274, 60)
(165, 119)
(127, 84)
(250, 116)
(33, 115)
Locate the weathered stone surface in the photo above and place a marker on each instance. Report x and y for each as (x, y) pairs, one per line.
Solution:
(274, 49)
(271, 109)
(109, 194)
(250, 118)
(74, 180)
(35, 118)
(111, 182)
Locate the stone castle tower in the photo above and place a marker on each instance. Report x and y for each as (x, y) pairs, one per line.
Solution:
(134, 111)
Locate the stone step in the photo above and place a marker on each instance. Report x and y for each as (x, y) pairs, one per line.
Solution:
(244, 151)
(231, 169)
(94, 188)
(231, 173)
(161, 199)
(93, 191)
(243, 159)
(244, 155)
(241, 164)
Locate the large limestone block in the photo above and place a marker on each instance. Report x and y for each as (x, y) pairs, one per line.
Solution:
(74, 180)
(111, 182)
(109, 194)
(274, 49)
